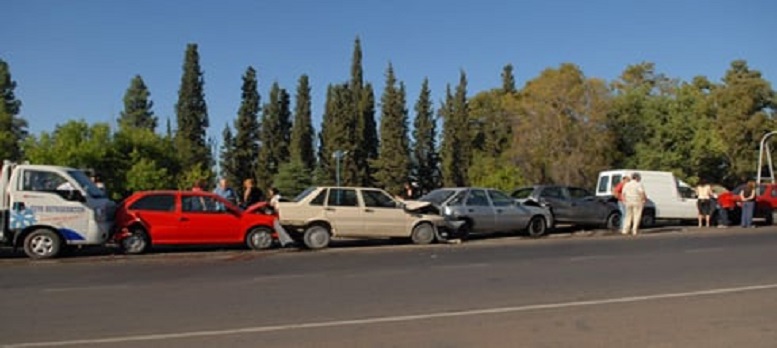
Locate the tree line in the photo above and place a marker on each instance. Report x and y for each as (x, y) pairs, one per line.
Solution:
(561, 127)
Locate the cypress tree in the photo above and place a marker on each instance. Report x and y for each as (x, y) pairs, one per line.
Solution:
(425, 157)
(192, 116)
(393, 164)
(227, 163)
(363, 109)
(338, 133)
(247, 127)
(457, 144)
(137, 111)
(276, 126)
(12, 127)
(302, 133)
(508, 80)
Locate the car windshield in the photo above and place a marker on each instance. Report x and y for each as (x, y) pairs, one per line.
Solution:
(437, 196)
(83, 181)
(304, 194)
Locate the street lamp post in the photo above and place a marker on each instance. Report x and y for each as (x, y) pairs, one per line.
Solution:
(338, 155)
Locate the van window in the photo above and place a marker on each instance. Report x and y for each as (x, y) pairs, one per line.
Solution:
(602, 187)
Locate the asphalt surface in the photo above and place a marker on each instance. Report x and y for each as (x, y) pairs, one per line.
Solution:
(666, 288)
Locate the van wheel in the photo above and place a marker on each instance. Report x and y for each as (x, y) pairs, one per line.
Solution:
(613, 221)
(259, 238)
(42, 244)
(422, 234)
(537, 227)
(136, 243)
(316, 237)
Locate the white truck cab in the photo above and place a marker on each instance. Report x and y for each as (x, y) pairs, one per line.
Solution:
(44, 209)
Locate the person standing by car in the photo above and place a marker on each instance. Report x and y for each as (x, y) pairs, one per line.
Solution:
(726, 204)
(251, 195)
(225, 191)
(283, 236)
(748, 204)
(704, 197)
(634, 198)
(618, 193)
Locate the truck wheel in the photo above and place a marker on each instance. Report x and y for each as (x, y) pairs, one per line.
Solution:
(423, 233)
(42, 244)
(316, 237)
(259, 238)
(136, 243)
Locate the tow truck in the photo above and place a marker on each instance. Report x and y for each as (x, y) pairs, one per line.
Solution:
(46, 209)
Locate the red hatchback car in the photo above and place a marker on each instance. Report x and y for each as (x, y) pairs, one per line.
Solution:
(151, 218)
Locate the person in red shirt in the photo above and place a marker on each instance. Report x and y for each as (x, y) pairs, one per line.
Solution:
(617, 192)
(726, 202)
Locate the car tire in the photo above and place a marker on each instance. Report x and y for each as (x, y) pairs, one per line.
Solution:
(316, 237)
(423, 233)
(137, 242)
(537, 227)
(42, 244)
(613, 222)
(259, 238)
(465, 230)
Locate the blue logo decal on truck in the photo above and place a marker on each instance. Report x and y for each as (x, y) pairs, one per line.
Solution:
(22, 218)
(70, 234)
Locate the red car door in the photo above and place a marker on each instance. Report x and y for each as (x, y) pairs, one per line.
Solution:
(205, 219)
(159, 213)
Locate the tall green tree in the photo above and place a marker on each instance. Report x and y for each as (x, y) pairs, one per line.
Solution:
(247, 130)
(457, 139)
(745, 106)
(192, 115)
(561, 134)
(508, 80)
(138, 111)
(392, 168)
(227, 162)
(425, 158)
(13, 128)
(338, 135)
(302, 133)
(275, 135)
(367, 142)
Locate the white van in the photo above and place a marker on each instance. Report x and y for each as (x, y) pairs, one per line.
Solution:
(668, 197)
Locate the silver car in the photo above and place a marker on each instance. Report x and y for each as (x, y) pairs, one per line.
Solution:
(490, 210)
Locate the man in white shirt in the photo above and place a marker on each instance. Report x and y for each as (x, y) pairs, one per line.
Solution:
(634, 199)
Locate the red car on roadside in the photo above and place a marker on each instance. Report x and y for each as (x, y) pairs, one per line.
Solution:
(150, 218)
(765, 202)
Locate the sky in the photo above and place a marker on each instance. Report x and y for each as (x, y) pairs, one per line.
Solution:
(75, 59)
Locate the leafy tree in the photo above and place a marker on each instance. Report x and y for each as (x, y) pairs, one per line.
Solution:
(146, 174)
(245, 151)
(392, 168)
(508, 80)
(137, 150)
(499, 173)
(276, 126)
(457, 143)
(192, 115)
(745, 105)
(561, 135)
(13, 129)
(425, 159)
(137, 111)
(302, 133)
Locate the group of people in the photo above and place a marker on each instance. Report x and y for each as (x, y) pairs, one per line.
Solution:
(631, 197)
(249, 196)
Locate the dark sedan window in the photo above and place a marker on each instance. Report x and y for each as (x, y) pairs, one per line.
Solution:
(201, 204)
(377, 199)
(578, 193)
(320, 199)
(552, 192)
(155, 203)
(343, 198)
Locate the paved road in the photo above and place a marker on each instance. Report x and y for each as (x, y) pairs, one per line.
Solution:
(699, 288)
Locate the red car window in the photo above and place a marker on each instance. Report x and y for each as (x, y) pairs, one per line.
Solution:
(157, 202)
